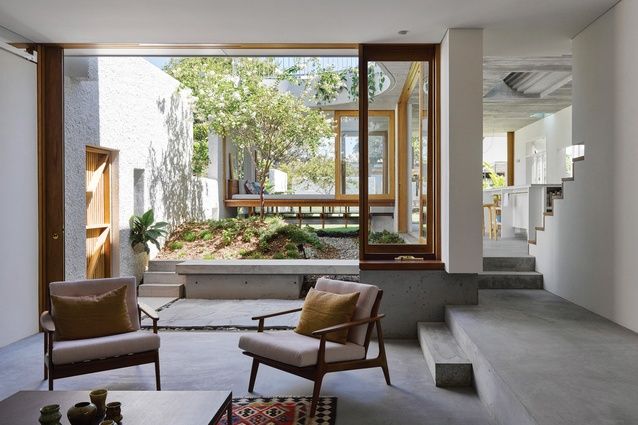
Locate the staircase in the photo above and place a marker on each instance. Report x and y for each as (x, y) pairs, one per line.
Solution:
(161, 280)
(555, 198)
(510, 273)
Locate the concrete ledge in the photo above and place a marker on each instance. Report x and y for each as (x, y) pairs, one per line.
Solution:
(268, 267)
(448, 364)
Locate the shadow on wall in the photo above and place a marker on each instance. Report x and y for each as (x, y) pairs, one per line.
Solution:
(171, 179)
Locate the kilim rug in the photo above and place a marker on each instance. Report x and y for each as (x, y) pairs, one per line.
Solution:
(282, 411)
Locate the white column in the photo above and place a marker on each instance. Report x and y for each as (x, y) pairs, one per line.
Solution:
(461, 150)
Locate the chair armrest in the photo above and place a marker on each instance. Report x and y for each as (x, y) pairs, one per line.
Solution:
(280, 313)
(148, 310)
(46, 321)
(347, 325)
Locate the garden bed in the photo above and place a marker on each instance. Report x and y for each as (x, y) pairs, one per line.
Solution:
(251, 238)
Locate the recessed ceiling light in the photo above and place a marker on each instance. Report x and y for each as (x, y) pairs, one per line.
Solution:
(403, 32)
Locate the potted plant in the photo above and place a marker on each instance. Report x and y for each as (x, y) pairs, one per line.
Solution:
(145, 230)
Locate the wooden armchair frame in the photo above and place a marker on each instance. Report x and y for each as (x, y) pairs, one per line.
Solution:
(52, 371)
(316, 372)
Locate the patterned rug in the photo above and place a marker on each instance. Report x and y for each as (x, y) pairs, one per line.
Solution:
(282, 411)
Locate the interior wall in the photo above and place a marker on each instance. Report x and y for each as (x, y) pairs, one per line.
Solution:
(556, 130)
(588, 252)
(19, 194)
(461, 150)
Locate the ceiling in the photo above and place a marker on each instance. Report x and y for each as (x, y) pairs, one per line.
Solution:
(520, 90)
(512, 27)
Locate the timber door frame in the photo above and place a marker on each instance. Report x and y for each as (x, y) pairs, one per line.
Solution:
(102, 174)
(50, 105)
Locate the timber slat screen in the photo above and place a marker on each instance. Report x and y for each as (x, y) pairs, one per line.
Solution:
(98, 213)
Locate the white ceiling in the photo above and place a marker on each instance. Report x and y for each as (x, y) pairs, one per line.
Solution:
(512, 27)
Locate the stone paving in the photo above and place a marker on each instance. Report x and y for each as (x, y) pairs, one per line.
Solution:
(225, 314)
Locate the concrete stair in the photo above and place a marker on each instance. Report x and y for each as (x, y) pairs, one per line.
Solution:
(161, 280)
(509, 264)
(446, 360)
(510, 280)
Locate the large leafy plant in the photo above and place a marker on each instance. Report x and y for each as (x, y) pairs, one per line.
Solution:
(145, 230)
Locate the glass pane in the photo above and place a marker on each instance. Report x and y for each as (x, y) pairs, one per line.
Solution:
(399, 217)
(349, 141)
(423, 86)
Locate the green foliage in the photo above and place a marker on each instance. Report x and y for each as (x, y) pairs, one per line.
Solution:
(189, 236)
(290, 247)
(209, 256)
(145, 230)
(297, 235)
(385, 237)
(495, 179)
(206, 235)
(316, 169)
(279, 256)
(339, 232)
(176, 245)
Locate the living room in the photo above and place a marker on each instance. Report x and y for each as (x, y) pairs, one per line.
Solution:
(416, 336)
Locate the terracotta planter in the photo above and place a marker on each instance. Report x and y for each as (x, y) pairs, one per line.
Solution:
(232, 188)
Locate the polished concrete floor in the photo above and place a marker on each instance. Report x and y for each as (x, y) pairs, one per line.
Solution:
(565, 364)
(211, 360)
(505, 247)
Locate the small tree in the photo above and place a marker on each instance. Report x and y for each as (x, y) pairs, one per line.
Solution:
(318, 170)
(278, 128)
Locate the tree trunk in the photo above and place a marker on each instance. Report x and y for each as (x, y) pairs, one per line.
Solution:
(262, 201)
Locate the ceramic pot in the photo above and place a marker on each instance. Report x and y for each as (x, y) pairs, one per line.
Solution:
(98, 397)
(50, 415)
(82, 413)
(114, 411)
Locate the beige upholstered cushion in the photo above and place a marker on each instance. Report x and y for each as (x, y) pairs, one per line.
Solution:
(65, 352)
(91, 316)
(79, 288)
(298, 350)
(324, 309)
(367, 297)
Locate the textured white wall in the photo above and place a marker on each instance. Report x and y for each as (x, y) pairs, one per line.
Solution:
(556, 129)
(461, 150)
(588, 251)
(19, 194)
(134, 108)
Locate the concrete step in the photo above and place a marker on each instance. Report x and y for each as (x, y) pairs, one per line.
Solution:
(446, 360)
(161, 290)
(160, 278)
(513, 264)
(163, 265)
(510, 280)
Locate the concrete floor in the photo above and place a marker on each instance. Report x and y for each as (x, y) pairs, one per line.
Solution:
(211, 360)
(505, 247)
(196, 313)
(562, 363)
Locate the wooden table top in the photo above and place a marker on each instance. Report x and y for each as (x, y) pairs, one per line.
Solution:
(138, 407)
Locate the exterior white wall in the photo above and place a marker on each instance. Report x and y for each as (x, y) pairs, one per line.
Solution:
(132, 107)
(588, 251)
(19, 194)
(556, 130)
(461, 150)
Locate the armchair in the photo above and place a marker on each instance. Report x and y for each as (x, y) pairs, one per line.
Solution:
(77, 357)
(312, 358)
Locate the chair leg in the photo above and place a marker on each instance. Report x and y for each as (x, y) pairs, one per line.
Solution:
(253, 375)
(382, 355)
(50, 381)
(46, 370)
(158, 384)
(315, 395)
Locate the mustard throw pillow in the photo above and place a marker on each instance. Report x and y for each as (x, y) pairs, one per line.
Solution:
(91, 316)
(325, 309)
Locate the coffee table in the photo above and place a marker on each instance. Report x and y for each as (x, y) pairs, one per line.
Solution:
(138, 407)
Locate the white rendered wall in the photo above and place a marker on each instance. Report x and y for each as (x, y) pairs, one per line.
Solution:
(556, 130)
(19, 194)
(461, 150)
(132, 107)
(588, 251)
